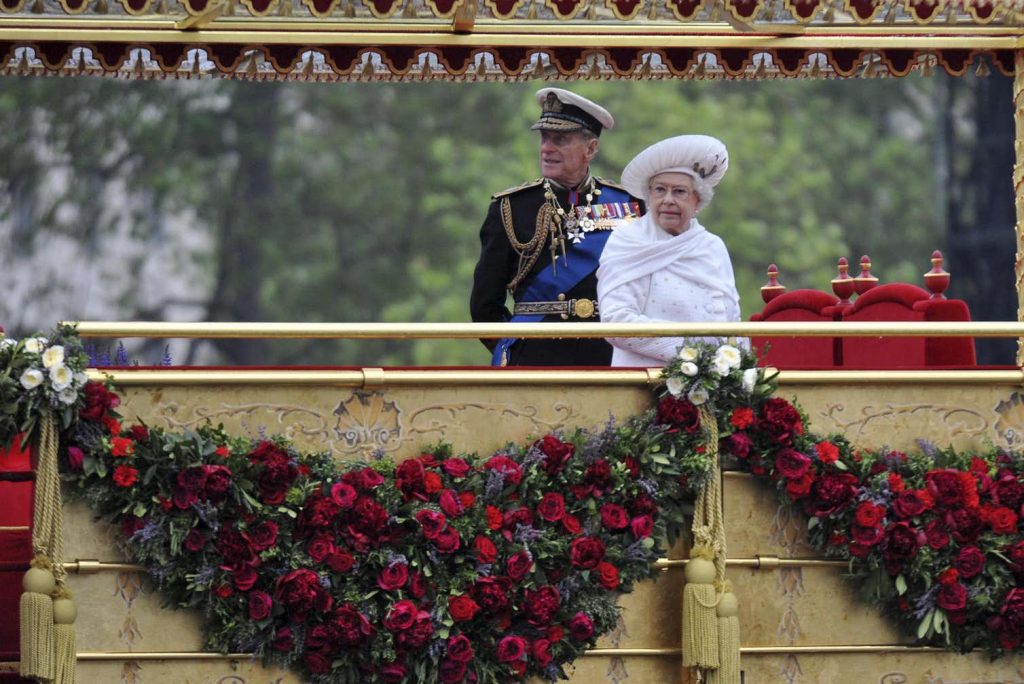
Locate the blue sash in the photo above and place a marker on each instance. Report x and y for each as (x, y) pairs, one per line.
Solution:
(584, 257)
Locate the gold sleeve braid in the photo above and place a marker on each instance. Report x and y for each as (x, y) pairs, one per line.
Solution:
(530, 251)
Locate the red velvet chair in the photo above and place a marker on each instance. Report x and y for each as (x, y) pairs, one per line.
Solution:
(903, 302)
(797, 352)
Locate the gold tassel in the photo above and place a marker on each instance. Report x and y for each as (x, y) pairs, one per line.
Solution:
(699, 71)
(349, 10)
(982, 71)
(760, 71)
(926, 70)
(36, 621)
(652, 13)
(410, 10)
(595, 70)
(830, 14)
(531, 15)
(592, 11)
(728, 671)
(64, 613)
(716, 12)
(700, 631)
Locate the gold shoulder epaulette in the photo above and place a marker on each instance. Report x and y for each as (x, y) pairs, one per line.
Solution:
(610, 184)
(517, 188)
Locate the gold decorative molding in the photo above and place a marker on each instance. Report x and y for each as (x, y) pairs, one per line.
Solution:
(1018, 188)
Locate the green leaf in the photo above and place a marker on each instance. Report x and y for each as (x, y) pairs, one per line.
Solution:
(901, 585)
(925, 627)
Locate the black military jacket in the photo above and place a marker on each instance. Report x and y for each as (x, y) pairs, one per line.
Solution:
(498, 265)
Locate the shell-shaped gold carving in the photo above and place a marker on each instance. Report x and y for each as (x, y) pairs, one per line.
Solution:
(366, 420)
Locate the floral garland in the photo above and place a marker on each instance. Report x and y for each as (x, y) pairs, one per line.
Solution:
(453, 568)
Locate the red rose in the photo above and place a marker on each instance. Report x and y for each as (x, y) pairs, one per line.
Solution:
(951, 597)
(791, 464)
(965, 524)
(739, 444)
(409, 479)
(244, 578)
(831, 493)
(418, 634)
(125, 476)
(541, 606)
(555, 633)
(970, 561)
(511, 648)
(452, 671)
(936, 535)
(217, 482)
(1010, 621)
(581, 627)
(224, 590)
(571, 524)
(432, 522)
(780, 421)
(300, 591)
(518, 565)
(367, 479)
(284, 640)
(598, 477)
(417, 585)
(556, 453)
(448, 540)
(235, 547)
(393, 577)
(456, 467)
(319, 548)
(486, 552)
(450, 503)
(350, 626)
(1016, 555)
(869, 514)
(866, 536)
(551, 507)
(586, 552)
(1008, 491)
(76, 457)
(344, 495)
(460, 649)
(827, 452)
(393, 673)
(678, 414)
(946, 487)
(948, 576)
(259, 605)
(742, 417)
(401, 616)
(607, 575)
(317, 662)
(896, 484)
(462, 608)
(541, 651)
(614, 516)
(341, 561)
(508, 468)
(632, 466)
(263, 536)
(642, 526)
(899, 543)
(318, 513)
(1002, 520)
(912, 503)
(799, 488)
(194, 541)
(491, 593)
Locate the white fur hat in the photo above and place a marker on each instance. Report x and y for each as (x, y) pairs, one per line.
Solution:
(702, 157)
(565, 111)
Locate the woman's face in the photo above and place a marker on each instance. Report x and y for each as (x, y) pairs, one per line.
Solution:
(673, 201)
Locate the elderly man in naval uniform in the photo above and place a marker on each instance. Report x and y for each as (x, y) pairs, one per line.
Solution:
(541, 241)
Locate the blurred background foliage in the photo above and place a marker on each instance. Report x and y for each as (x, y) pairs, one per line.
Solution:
(235, 201)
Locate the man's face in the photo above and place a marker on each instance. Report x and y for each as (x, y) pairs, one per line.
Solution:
(673, 201)
(565, 156)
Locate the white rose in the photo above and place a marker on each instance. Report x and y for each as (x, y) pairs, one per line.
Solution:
(6, 342)
(720, 366)
(32, 345)
(54, 356)
(688, 354)
(67, 396)
(688, 369)
(698, 395)
(61, 377)
(81, 378)
(730, 355)
(675, 386)
(31, 378)
(749, 380)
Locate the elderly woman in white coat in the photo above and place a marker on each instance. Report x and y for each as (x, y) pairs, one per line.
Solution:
(666, 267)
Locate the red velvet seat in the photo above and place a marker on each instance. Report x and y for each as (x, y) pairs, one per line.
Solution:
(797, 352)
(15, 551)
(902, 302)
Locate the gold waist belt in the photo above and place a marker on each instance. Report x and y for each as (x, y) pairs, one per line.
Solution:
(579, 308)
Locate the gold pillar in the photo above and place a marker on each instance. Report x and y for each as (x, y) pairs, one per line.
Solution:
(1018, 188)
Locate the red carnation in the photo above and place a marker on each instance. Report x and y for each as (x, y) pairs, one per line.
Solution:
(121, 446)
(869, 514)
(541, 606)
(827, 452)
(742, 417)
(556, 453)
(125, 476)
(678, 414)
(780, 421)
(607, 575)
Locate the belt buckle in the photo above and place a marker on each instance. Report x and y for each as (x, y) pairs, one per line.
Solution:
(584, 308)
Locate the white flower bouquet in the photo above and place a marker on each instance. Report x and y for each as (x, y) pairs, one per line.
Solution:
(723, 375)
(40, 375)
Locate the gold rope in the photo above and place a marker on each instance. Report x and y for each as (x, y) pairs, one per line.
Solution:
(708, 525)
(47, 521)
(530, 251)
